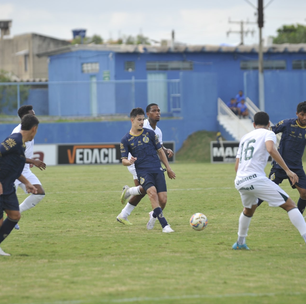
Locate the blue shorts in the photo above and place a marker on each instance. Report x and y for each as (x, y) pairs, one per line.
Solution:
(157, 180)
(9, 202)
(278, 175)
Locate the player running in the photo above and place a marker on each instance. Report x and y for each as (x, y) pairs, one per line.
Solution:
(153, 114)
(251, 180)
(33, 199)
(12, 160)
(143, 143)
(291, 148)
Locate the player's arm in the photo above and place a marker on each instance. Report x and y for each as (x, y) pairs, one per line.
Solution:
(168, 152)
(37, 163)
(270, 146)
(124, 154)
(29, 187)
(164, 160)
(127, 162)
(279, 127)
(237, 164)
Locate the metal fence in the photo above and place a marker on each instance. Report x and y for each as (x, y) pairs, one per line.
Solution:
(91, 98)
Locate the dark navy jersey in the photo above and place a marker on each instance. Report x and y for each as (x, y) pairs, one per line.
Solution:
(292, 144)
(144, 147)
(12, 160)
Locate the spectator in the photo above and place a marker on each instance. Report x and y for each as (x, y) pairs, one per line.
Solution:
(242, 109)
(233, 106)
(239, 97)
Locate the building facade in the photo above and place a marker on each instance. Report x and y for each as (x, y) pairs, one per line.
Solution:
(18, 55)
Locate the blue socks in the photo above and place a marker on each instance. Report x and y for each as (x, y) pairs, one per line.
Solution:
(6, 228)
(158, 212)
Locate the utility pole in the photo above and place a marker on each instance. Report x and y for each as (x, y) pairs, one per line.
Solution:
(261, 89)
(242, 32)
(260, 21)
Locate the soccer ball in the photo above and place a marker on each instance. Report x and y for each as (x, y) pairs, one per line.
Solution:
(198, 221)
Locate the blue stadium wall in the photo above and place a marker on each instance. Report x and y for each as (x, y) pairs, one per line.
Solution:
(199, 113)
(214, 75)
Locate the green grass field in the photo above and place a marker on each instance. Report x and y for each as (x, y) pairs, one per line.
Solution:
(71, 249)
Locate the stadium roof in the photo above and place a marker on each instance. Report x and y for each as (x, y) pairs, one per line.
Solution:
(124, 48)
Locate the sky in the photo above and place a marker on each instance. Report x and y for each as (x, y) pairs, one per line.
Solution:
(195, 22)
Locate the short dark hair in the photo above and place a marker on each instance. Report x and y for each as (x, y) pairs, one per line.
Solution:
(148, 109)
(261, 119)
(23, 110)
(136, 111)
(301, 107)
(28, 121)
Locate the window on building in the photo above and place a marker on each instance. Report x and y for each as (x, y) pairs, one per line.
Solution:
(90, 67)
(26, 62)
(169, 65)
(268, 65)
(299, 64)
(129, 66)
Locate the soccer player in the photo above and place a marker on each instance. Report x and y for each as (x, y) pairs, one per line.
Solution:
(143, 143)
(12, 160)
(153, 114)
(251, 181)
(291, 148)
(32, 200)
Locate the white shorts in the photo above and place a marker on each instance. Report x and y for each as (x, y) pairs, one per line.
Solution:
(264, 189)
(133, 171)
(31, 177)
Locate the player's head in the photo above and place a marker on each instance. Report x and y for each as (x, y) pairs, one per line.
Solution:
(23, 110)
(136, 111)
(261, 119)
(240, 92)
(29, 124)
(137, 118)
(233, 100)
(301, 113)
(153, 112)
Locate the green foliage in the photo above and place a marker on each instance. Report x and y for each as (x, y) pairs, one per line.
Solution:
(291, 34)
(196, 147)
(9, 93)
(95, 39)
(71, 249)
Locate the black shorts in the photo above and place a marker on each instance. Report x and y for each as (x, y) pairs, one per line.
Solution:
(9, 202)
(157, 180)
(278, 175)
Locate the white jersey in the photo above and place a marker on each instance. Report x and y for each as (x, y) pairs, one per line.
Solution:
(253, 155)
(28, 151)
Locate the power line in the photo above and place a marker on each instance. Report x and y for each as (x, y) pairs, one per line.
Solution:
(242, 31)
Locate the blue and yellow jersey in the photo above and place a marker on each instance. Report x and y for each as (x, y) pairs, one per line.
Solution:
(12, 160)
(292, 144)
(144, 147)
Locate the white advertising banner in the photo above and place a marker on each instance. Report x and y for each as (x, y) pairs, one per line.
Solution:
(46, 153)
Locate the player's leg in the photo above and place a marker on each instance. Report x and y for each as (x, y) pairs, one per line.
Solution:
(129, 207)
(33, 199)
(10, 204)
(276, 176)
(301, 186)
(158, 179)
(277, 197)
(295, 216)
(248, 201)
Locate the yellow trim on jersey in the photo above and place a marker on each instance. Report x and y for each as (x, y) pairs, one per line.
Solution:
(136, 135)
(159, 148)
(300, 125)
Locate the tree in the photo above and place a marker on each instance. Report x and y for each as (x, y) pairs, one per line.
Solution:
(8, 93)
(95, 39)
(291, 34)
